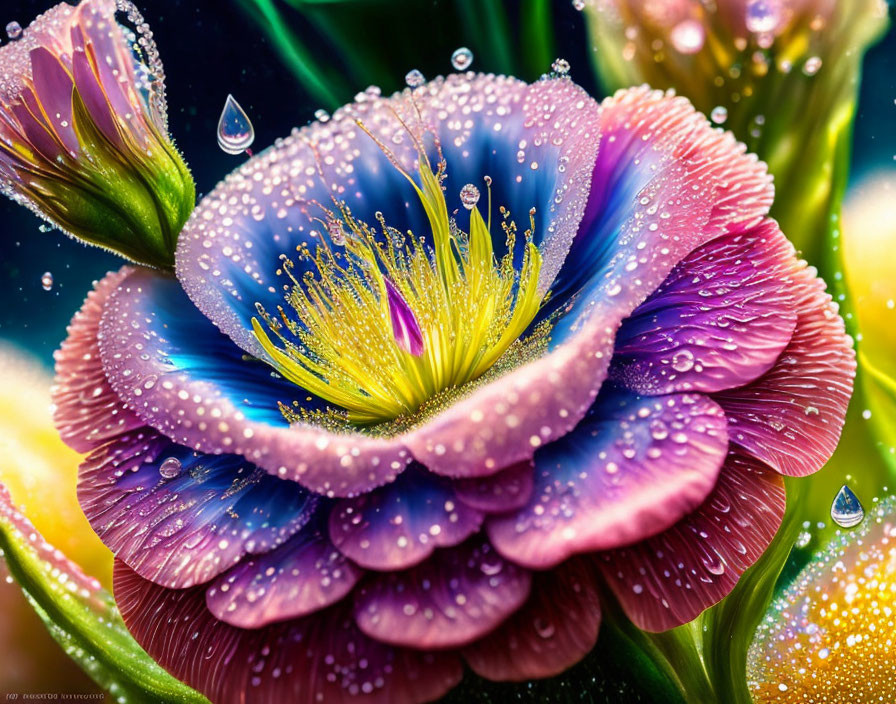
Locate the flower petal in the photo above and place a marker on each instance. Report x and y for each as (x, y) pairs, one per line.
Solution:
(791, 417)
(187, 380)
(669, 579)
(402, 523)
(53, 90)
(665, 182)
(509, 489)
(319, 658)
(186, 529)
(552, 631)
(631, 468)
(86, 411)
(719, 320)
(304, 575)
(455, 597)
(228, 254)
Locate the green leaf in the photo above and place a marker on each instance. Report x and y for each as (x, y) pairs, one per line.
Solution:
(81, 616)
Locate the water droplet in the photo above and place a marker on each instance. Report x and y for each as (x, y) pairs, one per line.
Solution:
(762, 16)
(719, 114)
(461, 59)
(46, 280)
(414, 78)
(560, 67)
(687, 37)
(336, 232)
(578, 5)
(170, 468)
(813, 63)
(803, 539)
(545, 629)
(683, 361)
(321, 115)
(235, 131)
(13, 30)
(469, 196)
(846, 510)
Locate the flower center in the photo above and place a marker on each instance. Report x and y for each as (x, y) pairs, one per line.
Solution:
(387, 321)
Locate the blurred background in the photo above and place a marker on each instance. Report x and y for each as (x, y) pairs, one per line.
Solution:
(283, 60)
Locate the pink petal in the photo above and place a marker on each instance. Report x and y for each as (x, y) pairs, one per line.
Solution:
(791, 417)
(455, 597)
(319, 658)
(669, 579)
(400, 524)
(304, 575)
(633, 467)
(719, 320)
(552, 631)
(53, 89)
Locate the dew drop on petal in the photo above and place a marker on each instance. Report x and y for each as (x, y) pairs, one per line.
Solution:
(414, 78)
(13, 30)
(719, 114)
(235, 131)
(461, 59)
(46, 280)
(847, 511)
(688, 36)
(762, 16)
(469, 196)
(170, 468)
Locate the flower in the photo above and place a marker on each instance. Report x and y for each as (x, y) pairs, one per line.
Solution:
(83, 132)
(781, 74)
(373, 429)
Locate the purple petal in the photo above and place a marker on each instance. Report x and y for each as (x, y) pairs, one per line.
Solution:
(304, 575)
(319, 658)
(791, 417)
(633, 467)
(509, 489)
(405, 328)
(183, 530)
(669, 579)
(94, 99)
(455, 597)
(165, 361)
(38, 135)
(53, 89)
(399, 525)
(552, 631)
(720, 319)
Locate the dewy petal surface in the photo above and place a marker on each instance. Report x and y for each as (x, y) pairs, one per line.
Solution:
(631, 468)
(669, 579)
(719, 320)
(191, 383)
(455, 597)
(400, 524)
(322, 657)
(229, 252)
(791, 417)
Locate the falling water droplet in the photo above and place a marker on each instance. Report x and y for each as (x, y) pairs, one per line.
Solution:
(414, 78)
(688, 36)
(235, 131)
(846, 510)
(469, 196)
(719, 114)
(46, 281)
(578, 5)
(13, 30)
(560, 67)
(762, 16)
(170, 468)
(461, 59)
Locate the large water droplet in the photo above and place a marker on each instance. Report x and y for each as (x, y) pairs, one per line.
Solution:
(414, 78)
(235, 131)
(687, 37)
(847, 510)
(46, 280)
(461, 59)
(170, 468)
(13, 30)
(469, 196)
(719, 114)
(560, 67)
(762, 16)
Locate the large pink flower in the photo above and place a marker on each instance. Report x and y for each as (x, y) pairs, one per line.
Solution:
(307, 504)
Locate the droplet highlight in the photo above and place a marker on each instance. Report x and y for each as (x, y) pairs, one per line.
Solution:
(762, 16)
(847, 511)
(719, 114)
(46, 281)
(688, 37)
(170, 468)
(235, 131)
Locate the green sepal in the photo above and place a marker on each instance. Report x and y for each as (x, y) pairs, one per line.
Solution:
(81, 616)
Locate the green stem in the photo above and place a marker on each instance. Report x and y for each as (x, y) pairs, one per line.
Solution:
(537, 36)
